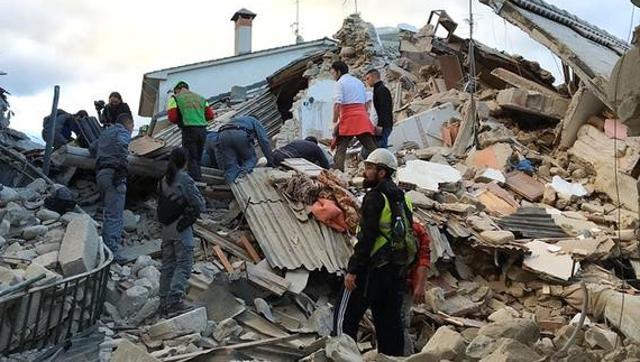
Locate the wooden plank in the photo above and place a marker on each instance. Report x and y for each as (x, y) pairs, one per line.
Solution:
(250, 249)
(144, 145)
(266, 279)
(216, 239)
(303, 166)
(223, 258)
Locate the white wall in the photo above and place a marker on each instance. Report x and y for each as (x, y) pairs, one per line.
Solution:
(213, 80)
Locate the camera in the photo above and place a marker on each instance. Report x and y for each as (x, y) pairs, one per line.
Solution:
(99, 105)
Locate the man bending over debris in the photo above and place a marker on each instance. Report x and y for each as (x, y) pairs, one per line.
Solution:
(377, 271)
(350, 117)
(179, 205)
(236, 146)
(307, 148)
(111, 151)
(191, 112)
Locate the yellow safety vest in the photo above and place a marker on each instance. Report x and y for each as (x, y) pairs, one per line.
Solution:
(385, 224)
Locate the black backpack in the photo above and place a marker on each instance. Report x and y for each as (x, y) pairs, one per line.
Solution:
(169, 210)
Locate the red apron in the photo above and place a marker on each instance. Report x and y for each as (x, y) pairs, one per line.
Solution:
(354, 120)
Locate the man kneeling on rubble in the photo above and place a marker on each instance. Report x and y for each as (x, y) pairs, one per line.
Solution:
(236, 145)
(179, 205)
(307, 148)
(111, 151)
(386, 248)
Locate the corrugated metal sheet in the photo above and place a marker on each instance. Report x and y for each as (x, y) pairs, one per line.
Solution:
(286, 241)
(532, 222)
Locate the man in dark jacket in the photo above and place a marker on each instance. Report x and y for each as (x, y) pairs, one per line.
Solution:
(64, 126)
(111, 151)
(236, 146)
(373, 278)
(307, 148)
(113, 109)
(383, 104)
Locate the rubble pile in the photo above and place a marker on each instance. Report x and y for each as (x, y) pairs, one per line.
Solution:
(532, 218)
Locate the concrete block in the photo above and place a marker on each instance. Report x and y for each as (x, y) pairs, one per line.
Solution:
(46, 215)
(79, 248)
(194, 321)
(446, 344)
(129, 352)
(32, 232)
(33, 270)
(533, 103)
(132, 300)
(48, 260)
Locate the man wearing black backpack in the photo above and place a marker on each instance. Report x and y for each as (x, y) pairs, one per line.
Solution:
(385, 251)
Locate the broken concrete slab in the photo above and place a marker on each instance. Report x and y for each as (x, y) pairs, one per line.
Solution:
(533, 103)
(427, 175)
(129, 352)
(423, 129)
(497, 237)
(446, 344)
(32, 232)
(190, 322)
(523, 83)
(489, 175)
(47, 260)
(598, 337)
(546, 259)
(47, 215)
(132, 300)
(480, 347)
(225, 329)
(523, 330)
(80, 247)
(511, 350)
(525, 185)
(496, 156)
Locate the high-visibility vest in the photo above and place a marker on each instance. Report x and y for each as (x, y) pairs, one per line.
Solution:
(191, 106)
(385, 224)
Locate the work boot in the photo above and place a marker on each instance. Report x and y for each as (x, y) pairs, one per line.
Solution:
(179, 308)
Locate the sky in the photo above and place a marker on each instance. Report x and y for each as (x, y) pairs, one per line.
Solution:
(91, 48)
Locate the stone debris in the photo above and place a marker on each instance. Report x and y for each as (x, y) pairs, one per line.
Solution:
(521, 205)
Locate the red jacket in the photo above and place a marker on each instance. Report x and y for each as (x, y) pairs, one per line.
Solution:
(424, 253)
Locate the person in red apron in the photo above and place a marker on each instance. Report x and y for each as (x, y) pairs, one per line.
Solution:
(350, 116)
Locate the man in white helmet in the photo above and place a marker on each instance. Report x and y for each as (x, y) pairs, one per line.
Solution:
(377, 271)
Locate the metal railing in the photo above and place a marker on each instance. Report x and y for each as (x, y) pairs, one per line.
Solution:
(53, 313)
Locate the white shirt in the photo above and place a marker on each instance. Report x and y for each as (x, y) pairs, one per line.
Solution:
(349, 90)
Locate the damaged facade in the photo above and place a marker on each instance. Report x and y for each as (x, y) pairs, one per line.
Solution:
(529, 199)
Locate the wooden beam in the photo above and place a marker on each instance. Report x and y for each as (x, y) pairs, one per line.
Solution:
(223, 258)
(250, 249)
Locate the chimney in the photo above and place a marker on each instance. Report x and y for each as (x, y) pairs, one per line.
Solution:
(243, 19)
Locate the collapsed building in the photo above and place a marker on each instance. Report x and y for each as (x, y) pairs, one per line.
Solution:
(528, 194)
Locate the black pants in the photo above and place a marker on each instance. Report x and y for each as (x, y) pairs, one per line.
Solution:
(383, 293)
(193, 139)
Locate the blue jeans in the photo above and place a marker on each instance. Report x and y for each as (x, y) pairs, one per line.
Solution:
(383, 139)
(177, 260)
(113, 198)
(237, 153)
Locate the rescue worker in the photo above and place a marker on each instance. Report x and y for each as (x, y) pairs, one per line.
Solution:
(236, 146)
(111, 151)
(383, 104)
(191, 112)
(113, 109)
(64, 126)
(414, 292)
(307, 148)
(350, 117)
(181, 199)
(376, 273)
(211, 156)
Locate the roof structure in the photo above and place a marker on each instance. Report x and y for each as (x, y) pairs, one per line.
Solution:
(287, 241)
(151, 80)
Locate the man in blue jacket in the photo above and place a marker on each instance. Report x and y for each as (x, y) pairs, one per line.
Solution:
(236, 141)
(111, 151)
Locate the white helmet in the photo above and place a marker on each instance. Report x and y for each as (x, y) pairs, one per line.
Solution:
(383, 157)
